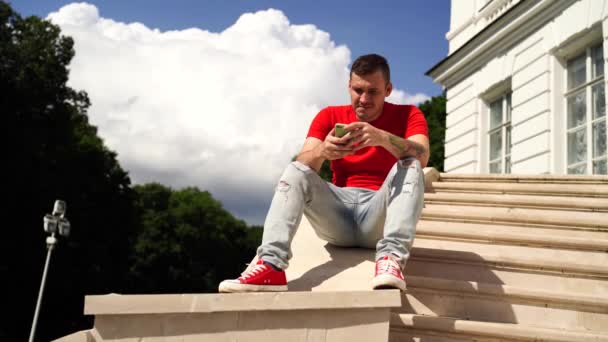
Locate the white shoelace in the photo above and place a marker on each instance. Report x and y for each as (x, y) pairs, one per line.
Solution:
(254, 271)
(388, 266)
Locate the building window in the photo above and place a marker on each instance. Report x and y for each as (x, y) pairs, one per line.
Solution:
(500, 135)
(586, 113)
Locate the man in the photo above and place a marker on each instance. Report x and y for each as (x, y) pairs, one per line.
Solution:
(376, 196)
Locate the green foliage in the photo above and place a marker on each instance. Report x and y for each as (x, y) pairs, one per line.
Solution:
(55, 153)
(124, 240)
(325, 172)
(187, 242)
(435, 113)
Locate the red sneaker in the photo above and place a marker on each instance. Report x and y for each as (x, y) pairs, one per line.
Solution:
(259, 278)
(388, 275)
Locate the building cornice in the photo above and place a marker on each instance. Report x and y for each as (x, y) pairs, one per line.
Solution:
(487, 14)
(512, 26)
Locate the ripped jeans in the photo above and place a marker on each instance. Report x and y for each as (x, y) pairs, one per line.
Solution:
(351, 217)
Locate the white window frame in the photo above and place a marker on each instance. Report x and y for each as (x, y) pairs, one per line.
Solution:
(587, 86)
(504, 127)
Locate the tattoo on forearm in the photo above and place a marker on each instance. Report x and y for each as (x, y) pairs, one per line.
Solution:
(407, 148)
(396, 142)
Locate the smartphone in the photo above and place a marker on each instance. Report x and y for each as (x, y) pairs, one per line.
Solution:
(340, 131)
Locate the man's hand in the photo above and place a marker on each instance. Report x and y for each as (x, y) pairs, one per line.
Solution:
(335, 148)
(315, 151)
(365, 135)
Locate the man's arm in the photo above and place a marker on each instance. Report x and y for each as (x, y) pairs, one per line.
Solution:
(416, 146)
(309, 156)
(315, 151)
(365, 135)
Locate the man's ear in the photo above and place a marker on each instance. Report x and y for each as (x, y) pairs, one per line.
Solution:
(389, 89)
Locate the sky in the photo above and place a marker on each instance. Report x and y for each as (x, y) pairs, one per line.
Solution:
(219, 94)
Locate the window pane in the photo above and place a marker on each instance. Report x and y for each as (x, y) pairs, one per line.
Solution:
(496, 167)
(600, 167)
(508, 164)
(576, 109)
(496, 114)
(576, 71)
(599, 139)
(509, 107)
(597, 56)
(577, 146)
(599, 101)
(496, 145)
(579, 170)
(508, 140)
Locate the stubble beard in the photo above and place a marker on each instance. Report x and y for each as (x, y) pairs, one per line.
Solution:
(363, 114)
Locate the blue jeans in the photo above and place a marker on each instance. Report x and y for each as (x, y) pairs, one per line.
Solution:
(351, 217)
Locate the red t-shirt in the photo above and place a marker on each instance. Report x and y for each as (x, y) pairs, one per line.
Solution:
(369, 166)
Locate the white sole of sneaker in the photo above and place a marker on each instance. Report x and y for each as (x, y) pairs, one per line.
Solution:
(388, 282)
(230, 287)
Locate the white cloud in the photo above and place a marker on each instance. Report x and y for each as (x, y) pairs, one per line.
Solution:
(401, 97)
(224, 111)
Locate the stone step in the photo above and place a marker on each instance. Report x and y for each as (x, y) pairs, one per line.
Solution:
(578, 190)
(319, 266)
(531, 259)
(510, 178)
(526, 201)
(535, 282)
(412, 327)
(515, 235)
(504, 304)
(519, 216)
(502, 292)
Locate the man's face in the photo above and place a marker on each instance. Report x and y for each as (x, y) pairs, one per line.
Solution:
(367, 94)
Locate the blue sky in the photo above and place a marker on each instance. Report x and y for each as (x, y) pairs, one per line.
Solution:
(220, 94)
(411, 34)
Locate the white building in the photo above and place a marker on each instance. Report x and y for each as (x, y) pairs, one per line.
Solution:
(525, 87)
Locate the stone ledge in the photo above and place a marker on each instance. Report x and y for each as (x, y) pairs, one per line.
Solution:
(430, 175)
(256, 317)
(115, 304)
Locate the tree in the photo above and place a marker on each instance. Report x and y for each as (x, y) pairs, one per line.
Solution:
(54, 153)
(126, 240)
(187, 242)
(435, 113)
(325, 172)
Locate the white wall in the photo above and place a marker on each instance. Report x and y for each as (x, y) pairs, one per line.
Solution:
(533, 69)
(461, 11)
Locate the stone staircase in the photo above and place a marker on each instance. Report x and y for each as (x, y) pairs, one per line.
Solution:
(496, 258)
(508, 258)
